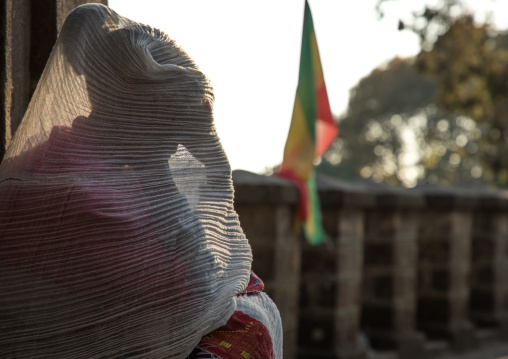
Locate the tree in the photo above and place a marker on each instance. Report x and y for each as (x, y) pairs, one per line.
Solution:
(469, 64)
(470, 67)
(462, 105)
(393, 132)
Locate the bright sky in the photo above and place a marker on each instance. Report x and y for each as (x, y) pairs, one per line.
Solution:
(251, 51)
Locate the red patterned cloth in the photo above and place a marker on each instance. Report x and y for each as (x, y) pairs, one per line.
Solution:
(243, 337)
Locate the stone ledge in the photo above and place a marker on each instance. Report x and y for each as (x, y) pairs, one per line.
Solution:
(444, 197)
(254, 188)
(333, 192)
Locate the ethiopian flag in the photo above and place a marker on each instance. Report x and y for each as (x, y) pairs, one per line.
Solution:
(311, 132)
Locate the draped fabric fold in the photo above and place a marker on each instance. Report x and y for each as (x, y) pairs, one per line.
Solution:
(118, 237)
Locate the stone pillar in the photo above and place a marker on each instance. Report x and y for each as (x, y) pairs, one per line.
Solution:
(28, 31)
(390, 272)
(445, 266)
(266, 207)
(489, 287)
(15, 65)
(331, 277)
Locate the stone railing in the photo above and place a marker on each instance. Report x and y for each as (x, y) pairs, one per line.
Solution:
(406, 273)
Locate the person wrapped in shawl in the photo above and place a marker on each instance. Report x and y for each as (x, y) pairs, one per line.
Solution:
(118, 237)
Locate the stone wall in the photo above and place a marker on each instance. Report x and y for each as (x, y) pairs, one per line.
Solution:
(407, 273)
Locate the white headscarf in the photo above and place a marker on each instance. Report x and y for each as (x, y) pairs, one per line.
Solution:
(118, 236)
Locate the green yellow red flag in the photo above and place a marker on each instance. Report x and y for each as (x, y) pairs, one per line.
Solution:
(311, 132)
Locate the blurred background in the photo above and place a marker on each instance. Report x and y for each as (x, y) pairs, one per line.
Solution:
(417, 86)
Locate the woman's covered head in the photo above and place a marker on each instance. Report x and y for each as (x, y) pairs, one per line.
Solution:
(134, 70)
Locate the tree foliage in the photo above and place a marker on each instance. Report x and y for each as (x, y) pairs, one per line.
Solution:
(393, 132)
(469, 64)
(442, 116)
